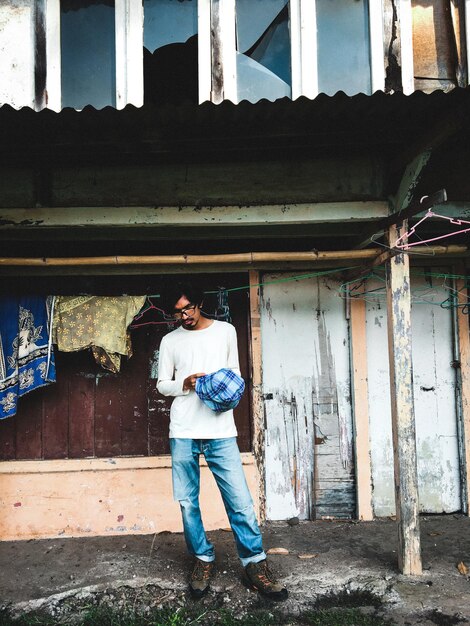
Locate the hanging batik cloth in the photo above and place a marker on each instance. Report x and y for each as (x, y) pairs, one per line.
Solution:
(26, 355)
(96, 322)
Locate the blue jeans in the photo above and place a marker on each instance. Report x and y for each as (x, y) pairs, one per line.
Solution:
(223, 459)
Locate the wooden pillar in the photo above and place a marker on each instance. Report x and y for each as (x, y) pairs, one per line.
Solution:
(463, 334)
(403, 422)
(361, 410)
(257, 388)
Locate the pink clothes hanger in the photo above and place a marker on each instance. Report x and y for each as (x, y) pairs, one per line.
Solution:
(430, 213)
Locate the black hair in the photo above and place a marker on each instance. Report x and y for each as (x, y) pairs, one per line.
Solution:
(193, 293)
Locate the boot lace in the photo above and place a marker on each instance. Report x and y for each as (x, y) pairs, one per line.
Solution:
(201, 570)
(265, 575)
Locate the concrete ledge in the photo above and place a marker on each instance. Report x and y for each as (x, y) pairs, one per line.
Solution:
(100, 497)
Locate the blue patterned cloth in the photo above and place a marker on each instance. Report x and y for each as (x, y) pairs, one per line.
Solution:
(26, 355)
(221, 390)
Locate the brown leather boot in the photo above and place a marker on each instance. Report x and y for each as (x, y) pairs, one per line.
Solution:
(260, 577)
(200, 577)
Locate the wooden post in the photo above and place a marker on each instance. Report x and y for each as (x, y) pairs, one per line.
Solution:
(361, 410)
(257, 387)
(463, 334)
(403, 423)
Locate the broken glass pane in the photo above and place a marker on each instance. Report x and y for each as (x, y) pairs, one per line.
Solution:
(170, 51)
(88, 57)
(263, 50)
(343, 46)
(168, 21)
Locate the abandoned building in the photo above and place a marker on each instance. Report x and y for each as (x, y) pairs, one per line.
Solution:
(306, 162)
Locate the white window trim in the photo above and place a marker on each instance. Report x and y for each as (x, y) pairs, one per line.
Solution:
(406, 39)
(128, 49)
(376, 35)
(204, 50)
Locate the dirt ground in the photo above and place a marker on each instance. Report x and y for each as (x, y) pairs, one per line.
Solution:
(330, 560)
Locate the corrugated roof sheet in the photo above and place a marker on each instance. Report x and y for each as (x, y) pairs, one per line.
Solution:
(377, 119)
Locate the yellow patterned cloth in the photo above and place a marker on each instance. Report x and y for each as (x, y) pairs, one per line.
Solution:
(96, 322)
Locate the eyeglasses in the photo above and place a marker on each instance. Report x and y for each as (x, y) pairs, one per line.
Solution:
(187, 311)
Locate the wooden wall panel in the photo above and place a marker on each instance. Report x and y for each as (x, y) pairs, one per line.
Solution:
(108, 412)
(81, 417)
(55, 426)
(133, 393)
(29, 426)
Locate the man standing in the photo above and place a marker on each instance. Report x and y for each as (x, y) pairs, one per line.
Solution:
(202, 346)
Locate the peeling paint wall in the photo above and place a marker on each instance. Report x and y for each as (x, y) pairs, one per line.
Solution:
(306, 384)
(17, 53)
(434, 397)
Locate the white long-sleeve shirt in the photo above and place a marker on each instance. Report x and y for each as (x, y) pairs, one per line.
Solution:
(185, 352)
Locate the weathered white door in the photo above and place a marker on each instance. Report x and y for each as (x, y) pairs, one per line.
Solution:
(434, 399)
(306, 384)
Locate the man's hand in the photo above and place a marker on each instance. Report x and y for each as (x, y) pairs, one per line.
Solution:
(190, 382)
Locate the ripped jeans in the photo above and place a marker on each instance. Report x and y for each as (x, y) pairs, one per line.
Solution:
(223, 459)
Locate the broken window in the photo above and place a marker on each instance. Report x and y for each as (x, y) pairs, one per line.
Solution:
(263, 50)
(170, 51)
(88, 59)
(343, 55)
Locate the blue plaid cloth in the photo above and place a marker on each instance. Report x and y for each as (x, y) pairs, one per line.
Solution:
(221, 390)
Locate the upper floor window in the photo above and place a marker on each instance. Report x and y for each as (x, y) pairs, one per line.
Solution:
(87, 47)
(263, 50)
(343, 48)
(170, 51)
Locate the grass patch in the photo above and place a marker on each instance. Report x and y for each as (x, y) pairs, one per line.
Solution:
(106, 616)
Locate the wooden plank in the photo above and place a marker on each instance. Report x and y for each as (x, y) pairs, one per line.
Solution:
(361, 410)
(107, 416)
(81, 406)
(133, 392)
(29, 426)
(257, 387)
(403, 424)
(81, 417)
(55, 426)
(463, 333)
(8, 439)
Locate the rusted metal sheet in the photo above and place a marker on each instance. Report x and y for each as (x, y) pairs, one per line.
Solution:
(434, 381)
(434, 45)
(309, 469)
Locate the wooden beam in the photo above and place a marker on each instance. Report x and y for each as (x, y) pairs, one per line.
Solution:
(361, 409)
(191, 216)
(403, 422)
(463, 335)
(405, 212)
(257, 388)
